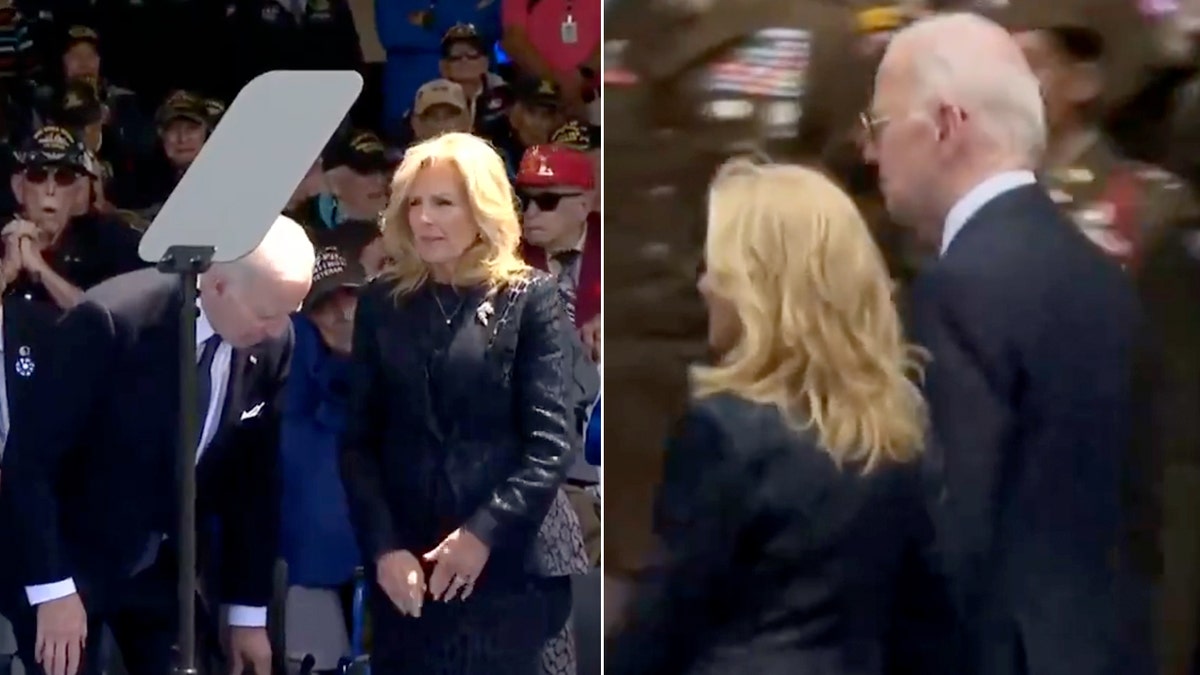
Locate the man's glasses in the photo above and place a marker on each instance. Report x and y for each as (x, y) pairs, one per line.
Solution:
(459, 58)
(872, 125)
(546, 201)
(61, 177)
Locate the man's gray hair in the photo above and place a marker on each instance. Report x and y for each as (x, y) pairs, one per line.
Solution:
(969, 61)
(285, 253)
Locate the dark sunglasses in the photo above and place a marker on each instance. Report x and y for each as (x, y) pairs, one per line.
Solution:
(546, 201)
(62, 177)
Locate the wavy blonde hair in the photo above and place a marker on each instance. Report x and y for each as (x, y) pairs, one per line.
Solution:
(493, 258)
(820, 336)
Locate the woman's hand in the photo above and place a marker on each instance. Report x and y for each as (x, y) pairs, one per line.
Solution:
(399, 574)
(459, 560)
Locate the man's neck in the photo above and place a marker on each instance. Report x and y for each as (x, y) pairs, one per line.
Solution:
(472, 87)
(569, 241)
(1067, 147)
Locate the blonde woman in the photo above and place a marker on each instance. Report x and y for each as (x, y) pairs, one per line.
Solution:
(791, 511)
(458, 435)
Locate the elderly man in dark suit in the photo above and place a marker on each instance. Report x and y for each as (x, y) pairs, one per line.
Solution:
(1033, 335)
(91, 469)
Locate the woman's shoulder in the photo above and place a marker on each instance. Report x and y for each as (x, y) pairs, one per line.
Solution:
(729, 411)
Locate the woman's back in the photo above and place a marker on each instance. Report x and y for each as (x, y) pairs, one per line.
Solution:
(779, 561)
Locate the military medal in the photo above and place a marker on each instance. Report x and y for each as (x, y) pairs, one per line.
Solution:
(24, 365)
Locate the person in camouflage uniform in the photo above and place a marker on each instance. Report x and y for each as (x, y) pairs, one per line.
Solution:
(689, 84)
(1139, 215)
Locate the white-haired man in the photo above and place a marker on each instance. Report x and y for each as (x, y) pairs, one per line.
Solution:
(1032, 333)
(92, 471)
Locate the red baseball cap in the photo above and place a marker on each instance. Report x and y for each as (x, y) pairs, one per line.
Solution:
(555, 166)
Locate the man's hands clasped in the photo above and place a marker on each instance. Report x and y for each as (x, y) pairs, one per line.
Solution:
(458, 562)
(23, 244)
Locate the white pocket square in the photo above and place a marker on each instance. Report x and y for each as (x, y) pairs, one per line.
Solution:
(253, 412)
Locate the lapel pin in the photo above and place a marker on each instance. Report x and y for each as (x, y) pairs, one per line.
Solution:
(24, 365)
(253, 359)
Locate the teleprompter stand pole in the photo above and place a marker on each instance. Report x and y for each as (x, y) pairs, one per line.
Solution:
(188, 262)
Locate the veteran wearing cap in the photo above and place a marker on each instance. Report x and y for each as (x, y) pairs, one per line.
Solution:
(184, 122)
(80, 57)
(465, 62)
(557, 190)
(316, 537)
(83, 112)
(355, 172)
(535, 113)
(439, 107)
(62, 247)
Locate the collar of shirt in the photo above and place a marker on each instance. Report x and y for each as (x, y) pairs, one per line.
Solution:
(204, 329)
(979, 196)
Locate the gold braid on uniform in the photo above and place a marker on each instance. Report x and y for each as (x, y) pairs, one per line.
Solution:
(133, 219)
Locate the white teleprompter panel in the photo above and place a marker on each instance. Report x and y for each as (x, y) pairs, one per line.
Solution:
(248, 169)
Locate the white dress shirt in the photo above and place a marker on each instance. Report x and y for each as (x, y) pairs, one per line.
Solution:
(977, 197)
(239, 615)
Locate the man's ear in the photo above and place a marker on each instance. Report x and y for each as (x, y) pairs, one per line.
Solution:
(1085, 83)
(17, 182)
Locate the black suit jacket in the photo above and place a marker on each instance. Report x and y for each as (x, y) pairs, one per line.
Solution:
(91, 469)
(460, 426)
(27, 330)
(1033, 335)
(778, 562)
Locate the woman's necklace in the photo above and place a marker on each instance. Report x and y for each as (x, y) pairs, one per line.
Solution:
(449, 317)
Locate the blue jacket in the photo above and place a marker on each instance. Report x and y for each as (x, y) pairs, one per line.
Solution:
(316, 537)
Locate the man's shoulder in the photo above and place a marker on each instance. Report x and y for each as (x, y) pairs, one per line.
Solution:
(137, 297)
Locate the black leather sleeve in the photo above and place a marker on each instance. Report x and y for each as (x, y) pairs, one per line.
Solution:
(702, 508)
(539, 381)
(83, 348)
(362, 441)
(250, 524)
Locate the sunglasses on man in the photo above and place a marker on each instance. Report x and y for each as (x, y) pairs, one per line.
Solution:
(546, 201)
(62, 176)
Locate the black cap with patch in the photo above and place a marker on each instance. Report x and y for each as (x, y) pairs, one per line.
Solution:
(55, 146)
(538, 93)
(577, 136)
(215, 110)
(462, 32)
(182, 105)
(362, 151)
(80, 33)
(80, 105)
(332, 272)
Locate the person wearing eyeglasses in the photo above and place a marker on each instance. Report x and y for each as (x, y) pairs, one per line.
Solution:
(55, 246)
(465, 62)
(557, 194)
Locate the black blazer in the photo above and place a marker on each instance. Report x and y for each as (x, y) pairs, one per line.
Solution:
(778, 562)
(91, 468)
(454, 426)
(27, 330)
(1033, 334)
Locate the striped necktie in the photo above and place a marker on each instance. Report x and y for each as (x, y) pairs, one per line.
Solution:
(567, 261)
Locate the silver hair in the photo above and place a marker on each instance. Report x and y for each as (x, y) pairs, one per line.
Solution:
(996, 85)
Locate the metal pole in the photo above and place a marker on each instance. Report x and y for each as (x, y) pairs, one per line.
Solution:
(188, 262)
(189, 428)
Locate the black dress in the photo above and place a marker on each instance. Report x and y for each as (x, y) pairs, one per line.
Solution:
(458, 419)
